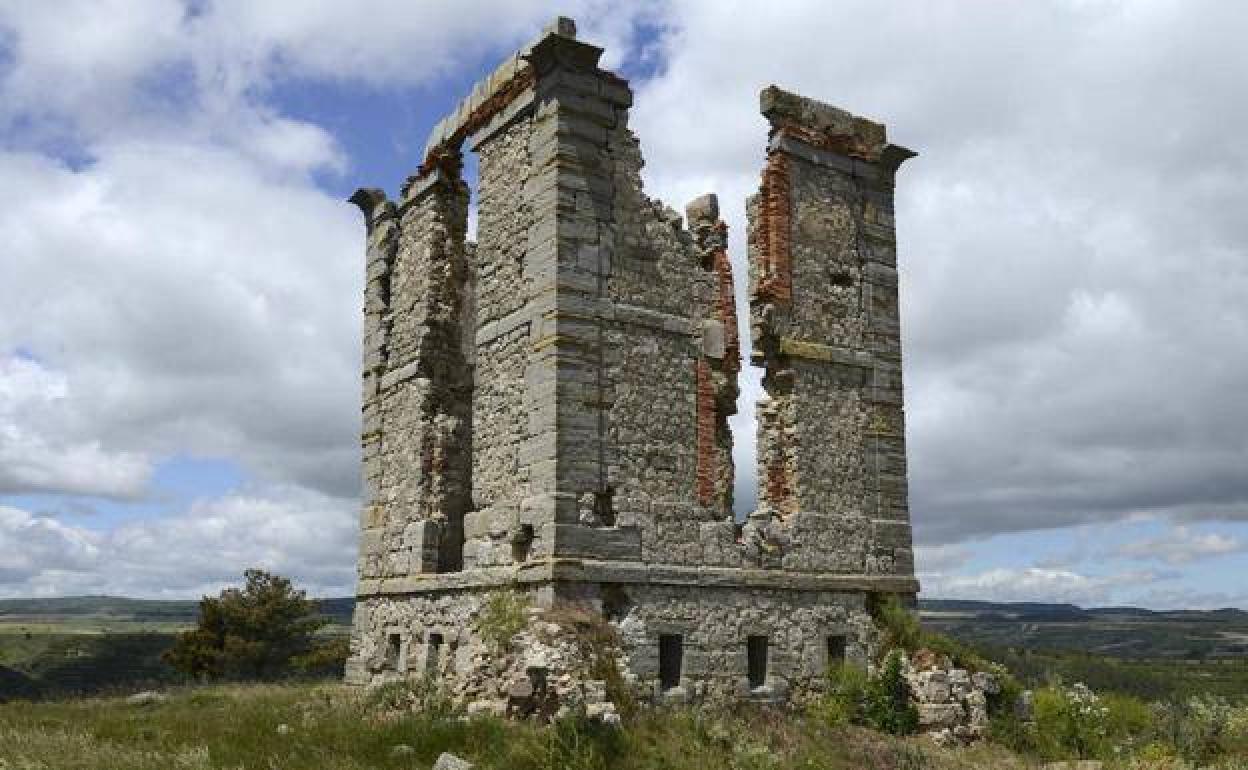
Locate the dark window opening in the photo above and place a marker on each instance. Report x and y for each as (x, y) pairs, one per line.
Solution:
(394, 648)
(522, 543)
(604, 506)
(756, 654)
(842, 279)
(433, 655)
(836, 650)
(671, 650)
(615, 601)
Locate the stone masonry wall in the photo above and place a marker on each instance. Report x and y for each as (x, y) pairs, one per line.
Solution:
(436, 635)
(825, 327)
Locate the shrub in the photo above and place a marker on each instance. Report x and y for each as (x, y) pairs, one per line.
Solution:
(844, 700)
(898, 625)
(504, 615)
(256, 632)
(420, 696)
(888, 707)
(1069, 723)
(881, 701)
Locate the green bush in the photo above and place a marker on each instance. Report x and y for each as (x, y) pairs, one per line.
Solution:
(843, 702)
(1070, 723)
(504, 615)
(888, 705)
(881, 701)
(260, 631)
(420, 696)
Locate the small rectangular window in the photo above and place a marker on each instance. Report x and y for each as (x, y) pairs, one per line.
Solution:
(433, 654)
(756, 655)
(671, 650)
(836, 650)
(394, 648)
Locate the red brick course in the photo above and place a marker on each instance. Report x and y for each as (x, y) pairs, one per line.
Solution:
(772, 252)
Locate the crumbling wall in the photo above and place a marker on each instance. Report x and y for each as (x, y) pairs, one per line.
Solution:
(672, 359)
(417, 430)
(826, 331)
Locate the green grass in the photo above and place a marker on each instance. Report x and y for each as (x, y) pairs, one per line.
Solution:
(329, 727)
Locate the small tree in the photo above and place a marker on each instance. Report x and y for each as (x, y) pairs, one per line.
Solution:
(260, 631)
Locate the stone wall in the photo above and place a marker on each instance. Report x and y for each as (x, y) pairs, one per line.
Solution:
(825, 329)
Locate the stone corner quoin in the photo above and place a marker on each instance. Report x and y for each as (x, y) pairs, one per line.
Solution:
(545, 411)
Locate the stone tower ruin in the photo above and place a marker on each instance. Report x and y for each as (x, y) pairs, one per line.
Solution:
(545, 411)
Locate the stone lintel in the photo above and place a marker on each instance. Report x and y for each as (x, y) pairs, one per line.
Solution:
(890, 158)
(589, 570)
(817, 352)
(519, 107)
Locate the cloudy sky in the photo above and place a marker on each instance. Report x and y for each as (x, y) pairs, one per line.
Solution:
(180, 279)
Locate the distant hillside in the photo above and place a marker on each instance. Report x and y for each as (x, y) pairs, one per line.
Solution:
(116, 609)
(1120, 632)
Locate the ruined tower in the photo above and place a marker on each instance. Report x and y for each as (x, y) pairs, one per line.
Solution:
(545, 410)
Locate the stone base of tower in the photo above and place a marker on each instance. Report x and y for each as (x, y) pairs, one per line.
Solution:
(680, 633)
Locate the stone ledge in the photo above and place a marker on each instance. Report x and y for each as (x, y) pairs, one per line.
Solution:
(594, 571)
(816, 352)
(890, 159)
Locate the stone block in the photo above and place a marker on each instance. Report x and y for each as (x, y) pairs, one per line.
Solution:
(940, 714)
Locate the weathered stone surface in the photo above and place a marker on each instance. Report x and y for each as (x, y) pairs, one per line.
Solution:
(448, 761)
(545, 411)
(952, 703)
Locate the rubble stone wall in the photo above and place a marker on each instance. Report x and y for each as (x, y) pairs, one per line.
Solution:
(435, 635)
(825, 328)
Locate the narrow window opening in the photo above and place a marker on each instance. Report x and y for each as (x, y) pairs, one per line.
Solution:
(604, 506)
(394, 650)
(756, 654)
(842, 279)
(671, 650)
(433, 655)
(522, 543)
(836, 651)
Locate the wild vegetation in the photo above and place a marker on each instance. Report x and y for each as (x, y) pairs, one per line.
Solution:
(329, 727)
(264, 630)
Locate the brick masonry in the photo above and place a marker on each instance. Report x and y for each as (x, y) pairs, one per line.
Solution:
(546, 408)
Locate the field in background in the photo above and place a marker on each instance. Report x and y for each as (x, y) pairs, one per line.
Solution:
(100, 644)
